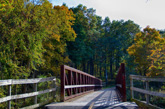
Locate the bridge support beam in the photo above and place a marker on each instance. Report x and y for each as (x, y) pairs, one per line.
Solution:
(121, 82)
(62, 84)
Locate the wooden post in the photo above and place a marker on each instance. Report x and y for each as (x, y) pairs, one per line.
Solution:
(132, 93)
(147, 96)
(35, 90)
(54, 86)
(83, 79)
(9, 93)
(62, 83)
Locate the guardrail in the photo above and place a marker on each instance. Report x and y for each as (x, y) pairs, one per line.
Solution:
(26, 95)
(120, 82)
(146, 91)
(75, 82)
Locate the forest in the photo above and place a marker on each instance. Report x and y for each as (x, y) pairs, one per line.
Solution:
(36, 38)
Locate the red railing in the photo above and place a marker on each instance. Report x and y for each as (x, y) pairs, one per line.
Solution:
(120, 82)
(75, 82)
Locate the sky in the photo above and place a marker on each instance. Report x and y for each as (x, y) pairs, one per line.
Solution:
(142, 12)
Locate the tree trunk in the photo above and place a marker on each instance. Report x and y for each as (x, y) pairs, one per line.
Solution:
(97, 69)
(106, 75)
(75, 66)
(100, 72)
(91, 66)
(84, 66)
(87, 71)
(111, 62)
(117, 63)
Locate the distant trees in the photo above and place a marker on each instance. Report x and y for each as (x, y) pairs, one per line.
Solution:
(100, 45)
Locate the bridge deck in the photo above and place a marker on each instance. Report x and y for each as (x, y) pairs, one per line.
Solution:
(107, 98)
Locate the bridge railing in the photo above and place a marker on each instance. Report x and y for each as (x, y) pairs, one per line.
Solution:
(145, 91)
(75, 82)
(121, 82)
(34, 81)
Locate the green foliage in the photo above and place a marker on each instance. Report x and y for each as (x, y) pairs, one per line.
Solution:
(31, 34)
(100, 45)
(85, 24)
(2, 94)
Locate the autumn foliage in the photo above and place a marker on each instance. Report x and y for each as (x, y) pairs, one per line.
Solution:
(149, 52)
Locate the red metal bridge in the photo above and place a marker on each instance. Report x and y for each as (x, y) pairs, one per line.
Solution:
(81, 90)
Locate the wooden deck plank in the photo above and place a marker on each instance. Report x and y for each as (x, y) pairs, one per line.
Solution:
(99, 99)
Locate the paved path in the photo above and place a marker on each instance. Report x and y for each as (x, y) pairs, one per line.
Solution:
(107, 98)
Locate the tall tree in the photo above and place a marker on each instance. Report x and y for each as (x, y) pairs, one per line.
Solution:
(81, 51)
(147, 51)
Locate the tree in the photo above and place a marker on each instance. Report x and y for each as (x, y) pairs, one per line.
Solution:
(21, 41)
(33, 37)
(82, 50)
(148, 51)
(59, 31)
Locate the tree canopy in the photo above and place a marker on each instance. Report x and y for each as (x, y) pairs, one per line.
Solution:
(37, 37)
(148, 51)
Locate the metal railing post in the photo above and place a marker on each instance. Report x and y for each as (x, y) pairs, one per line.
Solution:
(62, 83)
(75, 81)
(70, 80)
(121, 82)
